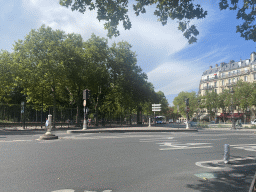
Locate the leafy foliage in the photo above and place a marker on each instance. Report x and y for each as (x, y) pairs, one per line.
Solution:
(50, 67)
(179, 102)
(114, 12)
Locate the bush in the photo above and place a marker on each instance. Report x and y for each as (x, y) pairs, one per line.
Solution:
(253, 127)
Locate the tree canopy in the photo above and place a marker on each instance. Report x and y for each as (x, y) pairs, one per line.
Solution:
(51, 68)
(179, 103)
(114, 12)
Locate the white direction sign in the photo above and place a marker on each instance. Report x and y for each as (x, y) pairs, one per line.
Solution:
(156, 107)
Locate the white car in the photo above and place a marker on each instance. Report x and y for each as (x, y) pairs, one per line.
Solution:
(253, 122)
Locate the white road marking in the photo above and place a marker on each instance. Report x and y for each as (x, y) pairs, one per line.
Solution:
(246, 147)
(178, 145)
(65, 190)
(22, 140)
(212, 139)
(200, 163)
(163, 149)
(12, 141)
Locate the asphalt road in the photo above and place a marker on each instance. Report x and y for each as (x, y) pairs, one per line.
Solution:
(127, 162)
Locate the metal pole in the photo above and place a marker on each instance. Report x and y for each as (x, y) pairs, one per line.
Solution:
(155, 118)
(226, 153)
(84, 124)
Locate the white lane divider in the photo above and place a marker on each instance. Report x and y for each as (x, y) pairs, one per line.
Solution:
(246, 147)
(175, 146)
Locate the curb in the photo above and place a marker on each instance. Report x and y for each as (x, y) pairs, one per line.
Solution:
(123, 130)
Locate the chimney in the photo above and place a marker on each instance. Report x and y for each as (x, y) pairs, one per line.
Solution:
(216, 65)
(252, 57)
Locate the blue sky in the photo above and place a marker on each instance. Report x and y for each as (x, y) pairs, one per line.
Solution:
(172, 65)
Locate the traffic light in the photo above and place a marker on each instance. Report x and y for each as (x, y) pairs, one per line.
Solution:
(187, 101)
(86, 94)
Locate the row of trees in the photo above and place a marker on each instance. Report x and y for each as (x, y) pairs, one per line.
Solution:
(50, 67)
(240, 98)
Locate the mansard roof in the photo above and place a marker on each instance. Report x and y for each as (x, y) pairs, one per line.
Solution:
(228, 66)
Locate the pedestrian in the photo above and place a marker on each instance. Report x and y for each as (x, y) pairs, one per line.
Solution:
(46, 123)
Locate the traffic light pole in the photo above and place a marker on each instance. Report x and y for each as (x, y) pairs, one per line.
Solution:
(85, 123)
(187, 110)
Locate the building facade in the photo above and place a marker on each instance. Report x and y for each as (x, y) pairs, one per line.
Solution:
(225, 75)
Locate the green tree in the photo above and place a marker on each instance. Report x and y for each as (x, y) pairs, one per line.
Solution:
(243, 96)
(39, 67)
(180, 101)
(210, 101)
(114, 12)
(7, 76)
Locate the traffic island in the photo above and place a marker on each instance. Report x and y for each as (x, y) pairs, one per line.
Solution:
(233, 163)
(48, 136)
(132, 129)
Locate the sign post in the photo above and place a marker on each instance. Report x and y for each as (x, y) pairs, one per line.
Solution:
(156, 107)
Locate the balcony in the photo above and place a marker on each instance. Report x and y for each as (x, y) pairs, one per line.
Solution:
(209, 79)
(209, 87)
(253, 70)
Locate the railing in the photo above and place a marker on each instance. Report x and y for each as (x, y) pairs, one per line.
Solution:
(229, 75)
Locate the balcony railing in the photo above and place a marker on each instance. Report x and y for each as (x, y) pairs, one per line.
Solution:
(229, 75)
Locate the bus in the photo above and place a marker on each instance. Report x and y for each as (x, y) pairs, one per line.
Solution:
(160, 120)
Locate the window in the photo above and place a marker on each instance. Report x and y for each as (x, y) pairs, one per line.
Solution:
(229, 73)
(237, 79)
(245, 78)
(215, 84)
(254, 75)
(222, 82)
(215, 90)
(234, 80)
(229, 81)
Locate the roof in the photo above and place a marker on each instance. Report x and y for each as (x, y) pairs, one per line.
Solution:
(228, 66)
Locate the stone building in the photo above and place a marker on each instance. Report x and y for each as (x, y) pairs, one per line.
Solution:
(225, 75)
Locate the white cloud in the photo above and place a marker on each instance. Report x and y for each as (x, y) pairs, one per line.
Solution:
(174, 77)
(52, 14)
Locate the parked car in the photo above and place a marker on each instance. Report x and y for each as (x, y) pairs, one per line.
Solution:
(253, 122)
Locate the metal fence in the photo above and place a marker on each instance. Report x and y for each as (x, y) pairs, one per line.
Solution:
(13, 115)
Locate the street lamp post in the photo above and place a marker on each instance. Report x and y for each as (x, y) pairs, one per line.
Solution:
(233, 127)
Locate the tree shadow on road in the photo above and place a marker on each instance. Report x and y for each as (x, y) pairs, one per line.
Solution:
(236, 180)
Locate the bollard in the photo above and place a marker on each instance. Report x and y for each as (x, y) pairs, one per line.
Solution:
(226, 153)
(49, 129)
(48, 135)
(149, 124)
